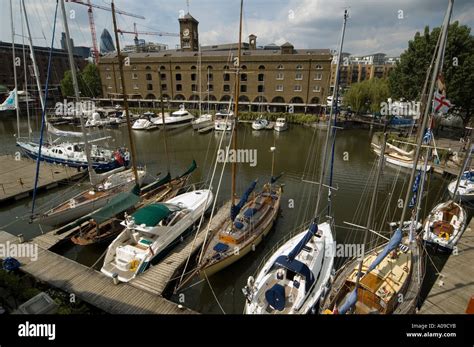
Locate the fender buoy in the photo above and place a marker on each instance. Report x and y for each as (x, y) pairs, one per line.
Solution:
(250, 281)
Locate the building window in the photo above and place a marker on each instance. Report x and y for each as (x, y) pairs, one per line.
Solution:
(226, 67)
(193, 77)
(299, 67)
(193, 67)
(149, 86)
(210, 88)
(244, 67)
(279, 88)
(109, 87)
(280, 67)
(108, 76)
(243, 77)
(280, 76)
(261, 89)
(318, 77)
(261, 67)
(107, 68)
(148, 68)
(164, 87)
(148, 76)
(319, 67)
(299, 76)
(226, 88)
(134, 76)
(297, 88)
(135, 86)
(134, 68)
(162, 67)
(178, 77)
(261, 77)
(243, 88)
(163, 76)
(177, 68)
(226, 77)
(317, 88)
(194, 87)
(179, 87)
(210, 77)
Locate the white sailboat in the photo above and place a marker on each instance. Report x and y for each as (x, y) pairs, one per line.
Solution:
(399, 157)
(151, 231)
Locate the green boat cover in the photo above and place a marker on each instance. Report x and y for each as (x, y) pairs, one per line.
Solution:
(118, 204)
(151, 215)
(190, 170)
(156, 184)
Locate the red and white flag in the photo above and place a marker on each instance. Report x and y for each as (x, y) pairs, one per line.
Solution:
(440, 103)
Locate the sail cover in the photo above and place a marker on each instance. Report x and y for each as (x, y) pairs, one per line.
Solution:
(391, 245)
(313, 228)
(297, 267)
(156, 184)
(235, 209)
(350, 302)
(55, 131)
(275, 296)
(151, 215)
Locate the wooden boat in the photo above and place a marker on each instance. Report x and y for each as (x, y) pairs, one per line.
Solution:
(398, 158)
(236, 238)
(444, 226)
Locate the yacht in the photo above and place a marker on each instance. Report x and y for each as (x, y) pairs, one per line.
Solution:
(146, 122)
(224, 121)
(202, 122)
(465, 191)
(260, 123)
(177, 119)
(281, 124)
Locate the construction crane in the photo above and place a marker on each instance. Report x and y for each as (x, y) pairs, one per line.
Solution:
(95, 50)
(136, 33)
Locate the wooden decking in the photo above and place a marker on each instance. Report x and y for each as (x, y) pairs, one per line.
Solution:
(156, 279)
(92, 286)
(17, 177)
(455, 286)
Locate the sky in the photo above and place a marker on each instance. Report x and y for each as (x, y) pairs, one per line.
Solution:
(373, 25)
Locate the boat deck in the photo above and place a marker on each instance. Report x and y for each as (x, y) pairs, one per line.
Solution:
(454, 287)
(92, 286)
(17, 177)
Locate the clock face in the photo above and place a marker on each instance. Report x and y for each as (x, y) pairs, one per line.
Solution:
(186, 32)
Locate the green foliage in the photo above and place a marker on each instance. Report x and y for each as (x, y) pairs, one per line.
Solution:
(89, 82)
(407, 79)
(367, 95)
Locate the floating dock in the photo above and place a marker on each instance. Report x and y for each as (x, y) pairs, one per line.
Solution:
(92, 286)
(454, 286)
(17, 177)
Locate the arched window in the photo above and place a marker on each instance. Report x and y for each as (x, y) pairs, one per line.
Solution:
(280, 67)
(226, 67)
(209, 67)
(148, 68)
(278, 100)
(225, 98)
(177, 68)
(193, 67)
(162, 67)
(179, 97)
(315, 100)
(319, 67)
(244, 67)
(299, 67)
(261, 67)
(296, 100)
(243, 98)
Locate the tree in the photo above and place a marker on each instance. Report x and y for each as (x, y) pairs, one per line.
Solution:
(407, 79)
(89, 82)
(367, 95)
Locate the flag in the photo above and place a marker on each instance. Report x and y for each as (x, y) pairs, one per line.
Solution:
(428, 136)
(440, 103)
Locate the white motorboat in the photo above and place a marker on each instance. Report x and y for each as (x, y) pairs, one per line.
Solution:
(465, 191)
(202, 122)
(146, 122)
(224, 121)
(281, 124)
(296, 276)
(151, 232)
(260, 123)
(89, 200)
(398, 157)
(445, 225)
(180, 118)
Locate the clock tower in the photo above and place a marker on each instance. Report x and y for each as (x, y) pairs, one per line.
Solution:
(188, 33)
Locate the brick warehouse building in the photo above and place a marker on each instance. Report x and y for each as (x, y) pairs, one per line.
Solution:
(273, 76)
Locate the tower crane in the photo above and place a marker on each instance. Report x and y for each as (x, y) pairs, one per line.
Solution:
(136, 33)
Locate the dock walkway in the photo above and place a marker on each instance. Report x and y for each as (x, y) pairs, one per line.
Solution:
(17, 177)
(455, 285)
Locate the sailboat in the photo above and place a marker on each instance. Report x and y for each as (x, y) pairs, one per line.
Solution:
(260, 123)
(298, 274)
(399, 157)
(9, 104)
(151, 232)
(388, 278)
(465, 192)
(250, 219)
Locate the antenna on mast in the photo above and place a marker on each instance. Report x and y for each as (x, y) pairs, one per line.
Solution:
(187, 5)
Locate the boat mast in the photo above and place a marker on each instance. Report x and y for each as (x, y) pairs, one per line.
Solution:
(237, 91)
(164, 127)
(77, 96)
(200, 80)
(427, 109)
(124, 93)
(32, 56)
(328, 133)
(14, 71)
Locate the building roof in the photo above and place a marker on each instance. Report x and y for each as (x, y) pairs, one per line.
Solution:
(188, 16)
(287, 44)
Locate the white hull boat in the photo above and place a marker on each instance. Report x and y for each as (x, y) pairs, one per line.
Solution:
(396, 158)
(445, 225)
(281, 125)
(260, 124)
(465, 191)
(177, 119)
(151, 232)
(296, 276)
(204, 121)
(146, 122)
(224, 121)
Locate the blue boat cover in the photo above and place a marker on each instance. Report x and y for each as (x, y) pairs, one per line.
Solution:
(250, 212)
(391, 245)
(297, 267)
(311, 232)
(221, 247)
(239, 225)
(274, 179)
(235, 209)
(276, 297)
(468, 175)
(350, 302)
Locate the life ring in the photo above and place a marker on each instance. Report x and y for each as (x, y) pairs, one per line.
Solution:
(250, 281)
(444, 235)
(134, 264)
